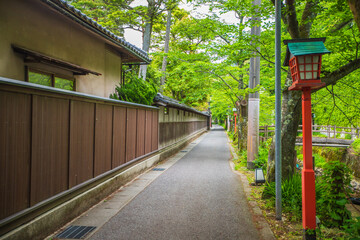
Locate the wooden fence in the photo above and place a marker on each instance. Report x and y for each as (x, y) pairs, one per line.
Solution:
(52, 141)
(326, 130)
(171, 132)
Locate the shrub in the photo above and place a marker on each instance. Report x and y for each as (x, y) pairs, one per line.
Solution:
(261, 160)
(333, 193)
(291, 195)
(356, 146)
(242, 160)
(234, 137)
(135, 90)
(352, 228)
(320, 161)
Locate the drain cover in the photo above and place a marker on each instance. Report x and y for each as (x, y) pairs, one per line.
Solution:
(158, 169)
(75, 232)
(183, 151)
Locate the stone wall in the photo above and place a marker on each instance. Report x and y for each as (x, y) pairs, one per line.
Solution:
(352, 160)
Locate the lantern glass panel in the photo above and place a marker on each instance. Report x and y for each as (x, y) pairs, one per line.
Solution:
(301, 59)
(308, 59)
(301, 67)
(316, 73)
(301, 75)
(308, 67)
(309, 75)
(316, 59)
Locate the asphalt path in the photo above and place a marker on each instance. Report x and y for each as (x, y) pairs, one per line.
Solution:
(199, 197)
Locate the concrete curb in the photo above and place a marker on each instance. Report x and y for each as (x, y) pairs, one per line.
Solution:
(261, 223)
(48, 222)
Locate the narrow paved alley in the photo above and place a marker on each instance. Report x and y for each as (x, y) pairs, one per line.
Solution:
(199, 197)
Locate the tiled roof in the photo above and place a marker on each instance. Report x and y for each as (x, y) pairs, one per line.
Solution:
(160, 99)
(76, 15)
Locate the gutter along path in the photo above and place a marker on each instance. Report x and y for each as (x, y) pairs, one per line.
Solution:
(197, 196)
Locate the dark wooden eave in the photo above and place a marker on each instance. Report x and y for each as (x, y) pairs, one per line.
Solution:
(32, 56)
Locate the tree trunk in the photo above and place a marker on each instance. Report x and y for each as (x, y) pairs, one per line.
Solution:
(166, 50)
(243, 125)
(355, 9)
(146, 47)
(290, 119)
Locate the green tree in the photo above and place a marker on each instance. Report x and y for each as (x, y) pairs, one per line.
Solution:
(304, 19)
(115, 15)
(231, 50)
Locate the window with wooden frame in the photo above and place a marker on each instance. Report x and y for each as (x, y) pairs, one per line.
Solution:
(166, 111)
(50, 79)
(49, 71)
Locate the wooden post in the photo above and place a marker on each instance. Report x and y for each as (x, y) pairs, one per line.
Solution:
(308, 175)
(266, 132)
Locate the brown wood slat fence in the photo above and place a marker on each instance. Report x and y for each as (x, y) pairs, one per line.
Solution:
(171, 132)
(53, 141)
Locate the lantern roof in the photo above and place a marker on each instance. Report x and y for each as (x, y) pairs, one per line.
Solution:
(298, 47)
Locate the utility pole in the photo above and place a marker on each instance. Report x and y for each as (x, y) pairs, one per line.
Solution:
(278, 109)
(254, 100)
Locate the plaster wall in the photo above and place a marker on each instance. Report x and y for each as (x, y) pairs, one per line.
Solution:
(35, 26)
(112, 72)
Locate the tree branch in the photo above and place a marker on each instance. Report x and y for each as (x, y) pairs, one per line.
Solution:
(340, 26)
(238, 80)
(307, 18)
(223, 80)
(332, 94)
(293, 25)
(212, 30)
(352, 87)
(266, 59)
(341, 72)
(288, 15)
(229, 94)
(340, 97)
(350, 121)
(335, 105)
(282, 12)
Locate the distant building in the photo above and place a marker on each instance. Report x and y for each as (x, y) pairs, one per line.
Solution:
(51, 43)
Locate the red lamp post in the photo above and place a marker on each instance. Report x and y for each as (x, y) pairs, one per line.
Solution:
(304, 58)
